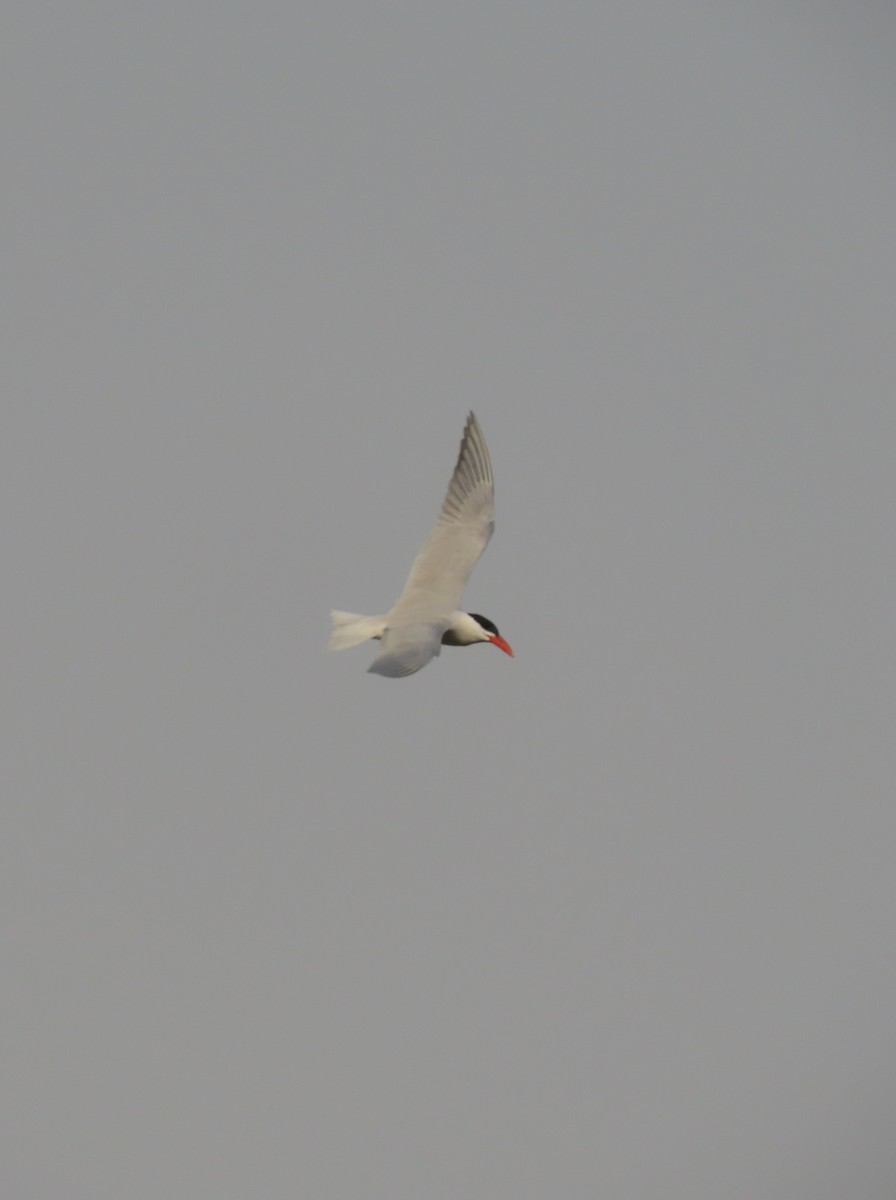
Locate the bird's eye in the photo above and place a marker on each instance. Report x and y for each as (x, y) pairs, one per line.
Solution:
(486, 624)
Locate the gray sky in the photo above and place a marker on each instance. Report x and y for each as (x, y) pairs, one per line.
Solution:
(612, 919)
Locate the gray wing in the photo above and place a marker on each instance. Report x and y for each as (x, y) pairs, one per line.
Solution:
(440, 572)
(407, 648)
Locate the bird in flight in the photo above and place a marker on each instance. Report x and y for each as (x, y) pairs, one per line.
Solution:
(426, 616)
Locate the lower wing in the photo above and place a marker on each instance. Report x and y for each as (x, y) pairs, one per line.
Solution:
(407, 648)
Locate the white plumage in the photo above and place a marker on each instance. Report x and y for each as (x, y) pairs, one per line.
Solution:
(426, 614)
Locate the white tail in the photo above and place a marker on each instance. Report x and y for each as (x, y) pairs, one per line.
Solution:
(351, 629)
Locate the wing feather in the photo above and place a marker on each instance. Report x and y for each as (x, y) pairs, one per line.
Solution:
(407, 648)
(440, 571)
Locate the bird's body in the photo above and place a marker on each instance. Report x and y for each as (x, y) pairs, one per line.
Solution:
(426, 615)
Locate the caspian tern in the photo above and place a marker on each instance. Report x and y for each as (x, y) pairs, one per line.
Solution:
(426, 615)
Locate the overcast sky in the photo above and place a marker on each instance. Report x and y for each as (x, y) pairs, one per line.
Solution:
(614, 918)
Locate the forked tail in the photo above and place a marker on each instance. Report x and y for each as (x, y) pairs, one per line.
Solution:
(351, 629)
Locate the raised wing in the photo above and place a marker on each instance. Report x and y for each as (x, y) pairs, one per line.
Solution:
(440, 572)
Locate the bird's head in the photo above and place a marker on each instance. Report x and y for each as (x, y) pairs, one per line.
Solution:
(488, 632)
